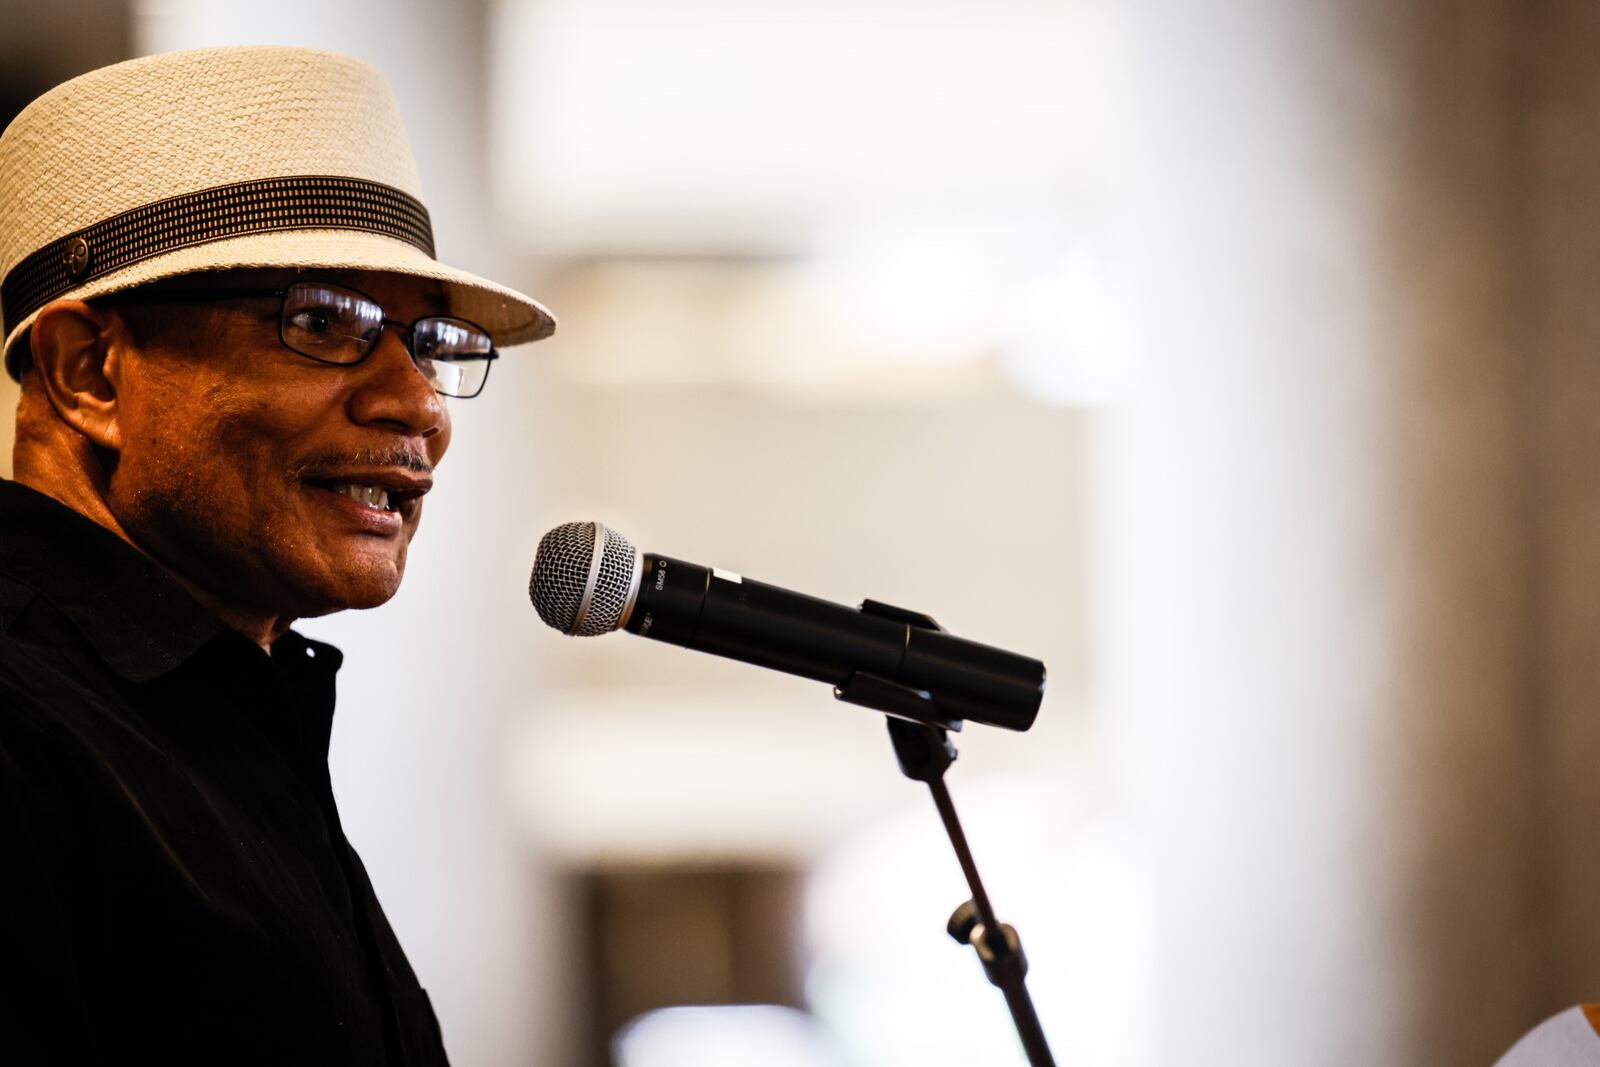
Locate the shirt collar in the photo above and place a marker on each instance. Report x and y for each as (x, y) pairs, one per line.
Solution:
(139, 620)
(309, 667)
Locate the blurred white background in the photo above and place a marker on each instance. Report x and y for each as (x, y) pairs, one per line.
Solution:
(1233, 358)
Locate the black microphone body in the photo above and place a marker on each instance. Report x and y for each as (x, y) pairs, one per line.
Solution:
(727, 615)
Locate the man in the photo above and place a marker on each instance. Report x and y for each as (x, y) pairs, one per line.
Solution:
(235, 349)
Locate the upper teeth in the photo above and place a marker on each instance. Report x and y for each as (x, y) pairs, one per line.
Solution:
(373, 496)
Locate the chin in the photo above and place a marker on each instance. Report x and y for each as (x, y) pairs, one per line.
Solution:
(370, 594)
(354, 588)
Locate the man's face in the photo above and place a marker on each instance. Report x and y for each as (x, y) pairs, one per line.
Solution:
(237, 453)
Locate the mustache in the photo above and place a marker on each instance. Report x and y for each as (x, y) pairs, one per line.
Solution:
(332, 462)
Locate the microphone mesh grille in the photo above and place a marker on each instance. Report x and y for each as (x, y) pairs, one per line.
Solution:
(561, 570)
(610, 586)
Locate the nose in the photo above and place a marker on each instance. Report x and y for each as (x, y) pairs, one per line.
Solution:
(392, 390)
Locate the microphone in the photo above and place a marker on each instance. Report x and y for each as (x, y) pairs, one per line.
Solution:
(589, 580)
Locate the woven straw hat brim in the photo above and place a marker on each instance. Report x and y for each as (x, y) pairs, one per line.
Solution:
(184, 162)
(510, 317)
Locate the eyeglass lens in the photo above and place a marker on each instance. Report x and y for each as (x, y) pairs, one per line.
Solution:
(332, 324)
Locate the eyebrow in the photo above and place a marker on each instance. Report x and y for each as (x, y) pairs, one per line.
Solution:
(435, 302)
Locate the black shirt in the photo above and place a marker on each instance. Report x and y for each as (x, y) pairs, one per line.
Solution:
(175, 886)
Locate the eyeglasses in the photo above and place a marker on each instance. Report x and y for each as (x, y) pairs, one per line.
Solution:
(333, 324)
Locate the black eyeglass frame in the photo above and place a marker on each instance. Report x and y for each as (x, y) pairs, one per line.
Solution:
(407, 332)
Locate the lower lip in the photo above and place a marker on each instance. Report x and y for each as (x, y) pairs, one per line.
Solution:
(370, 520)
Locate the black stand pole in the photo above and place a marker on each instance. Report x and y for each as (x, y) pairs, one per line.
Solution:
(923, 748)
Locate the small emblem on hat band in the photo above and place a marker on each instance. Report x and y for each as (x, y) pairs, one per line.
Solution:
(306, 202)
(77, 258)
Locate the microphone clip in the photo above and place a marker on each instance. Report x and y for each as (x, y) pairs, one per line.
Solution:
(893, 698)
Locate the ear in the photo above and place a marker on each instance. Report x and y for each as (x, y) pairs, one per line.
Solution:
(78, 354)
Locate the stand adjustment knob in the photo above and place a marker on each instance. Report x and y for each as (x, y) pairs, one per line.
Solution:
(1002, 955)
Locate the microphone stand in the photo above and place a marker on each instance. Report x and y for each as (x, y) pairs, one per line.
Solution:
(922, 745)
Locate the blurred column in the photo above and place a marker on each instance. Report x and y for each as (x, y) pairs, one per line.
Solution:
(1559, 275)
(432, 680)
(1315, 557)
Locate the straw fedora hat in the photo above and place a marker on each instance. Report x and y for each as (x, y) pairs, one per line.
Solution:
(214, 159)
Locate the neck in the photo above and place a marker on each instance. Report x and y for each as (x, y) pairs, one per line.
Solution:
(263, 630)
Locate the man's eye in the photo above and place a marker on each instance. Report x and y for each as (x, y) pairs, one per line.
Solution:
(312, 320)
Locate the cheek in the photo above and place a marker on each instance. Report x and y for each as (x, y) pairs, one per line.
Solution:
(180, 482)
(207, 448)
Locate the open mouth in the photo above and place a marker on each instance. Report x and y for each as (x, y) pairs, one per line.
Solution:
(375, 497)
